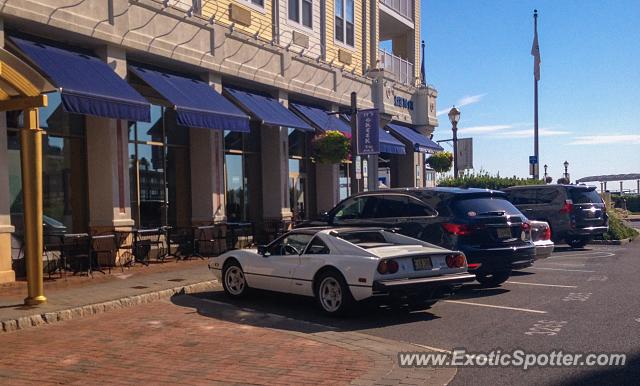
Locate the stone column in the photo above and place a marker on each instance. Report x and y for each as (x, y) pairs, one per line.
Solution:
(6, 229)
(403, 170)
(275, 169)
(108, 162)
(206, 149)
(327, 186)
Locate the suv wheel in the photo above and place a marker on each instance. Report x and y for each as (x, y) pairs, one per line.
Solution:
(492, 279)
(577, 242)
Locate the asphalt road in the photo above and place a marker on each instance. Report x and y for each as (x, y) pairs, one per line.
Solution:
(578, 301)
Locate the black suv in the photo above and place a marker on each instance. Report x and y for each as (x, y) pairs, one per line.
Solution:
(491, 232)
(575, 213)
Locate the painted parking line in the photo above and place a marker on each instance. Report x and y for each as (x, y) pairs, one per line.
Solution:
(494, 306)
(585, 255)
(562, 269)
(568, 265)
(543, 285)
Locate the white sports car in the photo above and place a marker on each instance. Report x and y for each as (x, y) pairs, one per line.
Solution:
(340, 266)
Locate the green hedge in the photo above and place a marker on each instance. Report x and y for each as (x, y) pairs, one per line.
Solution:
(618, 230)
(485, 180)
(632, 201)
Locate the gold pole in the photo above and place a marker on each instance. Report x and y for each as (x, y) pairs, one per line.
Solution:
(31, 162)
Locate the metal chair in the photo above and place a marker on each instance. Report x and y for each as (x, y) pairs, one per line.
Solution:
(103, 245)
(125, 241)
(76, 252)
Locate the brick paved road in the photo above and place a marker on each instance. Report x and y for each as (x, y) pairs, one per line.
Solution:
(161, 343)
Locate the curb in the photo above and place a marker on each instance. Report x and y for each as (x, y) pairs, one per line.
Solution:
(37, 320)
(610, 242)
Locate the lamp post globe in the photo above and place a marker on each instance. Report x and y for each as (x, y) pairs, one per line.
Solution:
(454, 118)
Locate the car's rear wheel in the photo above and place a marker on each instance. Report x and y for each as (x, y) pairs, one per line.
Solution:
(332, 293)
(233, 280)
(577, 242)
(492, 279)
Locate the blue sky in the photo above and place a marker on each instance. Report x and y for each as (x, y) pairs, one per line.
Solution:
(479, 58)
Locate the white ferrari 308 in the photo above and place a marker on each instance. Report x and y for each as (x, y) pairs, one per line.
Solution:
(342, 266)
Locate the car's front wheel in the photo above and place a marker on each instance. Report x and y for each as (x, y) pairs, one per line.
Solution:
(233, 280)
(492, 279)
(332, 293)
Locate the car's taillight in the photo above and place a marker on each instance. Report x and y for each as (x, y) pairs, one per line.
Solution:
(387, 266)
(474, 265)
(567, 207)
(547, 234)
(456, 229)
(456, 260)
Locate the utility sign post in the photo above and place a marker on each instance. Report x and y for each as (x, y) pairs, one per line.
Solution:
(533, 165)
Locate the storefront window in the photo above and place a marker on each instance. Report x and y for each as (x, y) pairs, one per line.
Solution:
(64, 169)
(345, 182)
(299, 162)
(159, 171)
(236, 194)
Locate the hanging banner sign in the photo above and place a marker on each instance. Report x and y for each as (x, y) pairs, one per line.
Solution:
(368, 132)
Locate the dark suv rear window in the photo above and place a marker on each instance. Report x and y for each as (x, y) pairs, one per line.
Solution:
(483, 206)
(585, 196)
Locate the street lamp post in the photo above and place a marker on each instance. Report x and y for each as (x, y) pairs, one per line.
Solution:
(454, 117)
(566, 173)
(545, 173)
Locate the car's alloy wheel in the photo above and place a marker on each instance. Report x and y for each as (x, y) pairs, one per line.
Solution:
(233, 280)
(332, 293)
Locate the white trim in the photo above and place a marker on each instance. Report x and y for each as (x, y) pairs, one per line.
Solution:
(255, 7)
(398, 16)
(298, 25)
(344, 25)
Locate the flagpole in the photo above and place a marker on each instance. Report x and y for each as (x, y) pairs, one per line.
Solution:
(536, 171)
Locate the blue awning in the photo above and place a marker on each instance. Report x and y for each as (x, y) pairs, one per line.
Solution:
(321, 119)
(419, 142)
(388, 144)
(196, 103)
(87, 84)
(267, 109)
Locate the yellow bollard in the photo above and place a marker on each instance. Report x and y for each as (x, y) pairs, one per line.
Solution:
(31, 162)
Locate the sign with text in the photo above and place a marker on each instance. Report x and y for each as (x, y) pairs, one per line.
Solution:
(368, 132)
(465, 153)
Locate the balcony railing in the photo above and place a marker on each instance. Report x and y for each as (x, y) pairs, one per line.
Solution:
(402, 69)
(403, 7)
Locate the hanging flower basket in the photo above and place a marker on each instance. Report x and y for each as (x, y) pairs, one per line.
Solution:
(441, 161)
(331, 147)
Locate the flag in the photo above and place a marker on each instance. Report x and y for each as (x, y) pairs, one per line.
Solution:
(535, 52)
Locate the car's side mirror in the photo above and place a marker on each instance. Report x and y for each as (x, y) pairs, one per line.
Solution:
(262, 250)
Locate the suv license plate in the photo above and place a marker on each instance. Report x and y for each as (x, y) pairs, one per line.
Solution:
(422, 263)
(504, 233)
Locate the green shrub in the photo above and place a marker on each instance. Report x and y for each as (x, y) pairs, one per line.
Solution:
(331, 147)
(484, 180)
(632, 202)
(618, 230)
(441, 161)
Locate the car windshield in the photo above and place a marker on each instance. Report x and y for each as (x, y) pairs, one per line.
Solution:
(585, 196)
(483, 206)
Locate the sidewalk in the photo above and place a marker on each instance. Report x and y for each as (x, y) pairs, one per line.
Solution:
(76, 296)
(189, 341)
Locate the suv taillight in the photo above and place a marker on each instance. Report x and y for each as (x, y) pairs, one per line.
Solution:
(387, 266)
(547, 234)
(456, 260)
(567, 207)
(456, 229)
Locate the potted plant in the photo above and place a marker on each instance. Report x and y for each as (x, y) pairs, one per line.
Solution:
(331, 147)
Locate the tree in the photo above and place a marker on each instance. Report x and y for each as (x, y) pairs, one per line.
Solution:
(563, 181)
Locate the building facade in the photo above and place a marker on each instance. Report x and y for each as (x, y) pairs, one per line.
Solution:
(233, 145)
